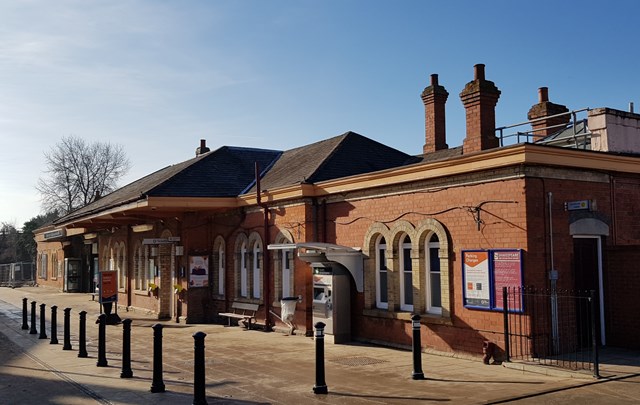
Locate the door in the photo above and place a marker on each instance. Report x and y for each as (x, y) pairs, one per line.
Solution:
(588, 276)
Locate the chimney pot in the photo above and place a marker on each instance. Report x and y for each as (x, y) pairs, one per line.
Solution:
(203, 147)
(434, 98)
(479, 98)
(543, 94)
(478, 71)
(540, 113)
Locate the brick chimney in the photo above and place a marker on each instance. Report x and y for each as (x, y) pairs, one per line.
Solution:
(545, 108)
(203, 147)
(434, 98)
(479, 98)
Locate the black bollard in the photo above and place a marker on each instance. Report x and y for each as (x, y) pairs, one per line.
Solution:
(157, 385)
(33, 330)
(43, 331)
(82, 341)
(25, 324)
(102, 344)
(67, 329)
(126, 349)
(321, 385)
(54, 325)
(417, 349)
(199, 395)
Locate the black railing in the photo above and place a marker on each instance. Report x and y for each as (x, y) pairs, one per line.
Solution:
(552, 327)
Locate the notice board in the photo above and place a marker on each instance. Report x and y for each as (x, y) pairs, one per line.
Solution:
(486, 272)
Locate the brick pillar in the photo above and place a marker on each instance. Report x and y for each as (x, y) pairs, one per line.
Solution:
(479, 98)
(434, 98)
(545, 108)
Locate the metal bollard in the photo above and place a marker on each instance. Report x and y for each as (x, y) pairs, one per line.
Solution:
(82, 340)
(25, 324)
(126, 349)
(157, 385)
(321, 385)
(102, 344)
(33, 330)
(199, 393)
(54, 325)
(417, 349)
(67, 329)
(43, 327)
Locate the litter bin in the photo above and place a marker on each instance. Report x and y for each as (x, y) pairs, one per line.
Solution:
(288, 311)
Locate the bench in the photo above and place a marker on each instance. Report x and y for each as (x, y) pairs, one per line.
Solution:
(241, 311)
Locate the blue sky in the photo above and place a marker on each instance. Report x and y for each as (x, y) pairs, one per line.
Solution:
(158, 76)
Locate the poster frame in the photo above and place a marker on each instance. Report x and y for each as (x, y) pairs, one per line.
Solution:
(492, 305)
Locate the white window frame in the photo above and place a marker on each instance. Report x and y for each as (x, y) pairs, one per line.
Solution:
(256, 270)
(429, 273)
(403, 251)
(44, 259)
(221, 269)
(381, 268)
(286, 257)
(243, 270)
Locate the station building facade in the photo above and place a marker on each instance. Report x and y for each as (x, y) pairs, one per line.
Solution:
(414, 234)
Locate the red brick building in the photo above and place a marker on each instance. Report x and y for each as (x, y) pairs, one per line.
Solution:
(256, 226)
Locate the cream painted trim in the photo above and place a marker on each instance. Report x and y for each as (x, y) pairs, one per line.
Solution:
(485, 160)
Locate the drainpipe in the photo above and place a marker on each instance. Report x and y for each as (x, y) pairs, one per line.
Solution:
(553, 277)
(266, 264)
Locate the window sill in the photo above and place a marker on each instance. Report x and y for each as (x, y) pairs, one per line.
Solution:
(406, 316)
(141, 292)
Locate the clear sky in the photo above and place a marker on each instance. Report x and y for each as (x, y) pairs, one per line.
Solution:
(157, 76)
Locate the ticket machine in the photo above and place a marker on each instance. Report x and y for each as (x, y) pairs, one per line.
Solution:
(332, 299)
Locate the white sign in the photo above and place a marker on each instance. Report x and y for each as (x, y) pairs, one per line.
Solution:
(160, 241)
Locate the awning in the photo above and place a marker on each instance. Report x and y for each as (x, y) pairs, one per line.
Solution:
(350, 258)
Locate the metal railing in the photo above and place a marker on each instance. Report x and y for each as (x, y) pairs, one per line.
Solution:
(17, 274)
(509, 135)
(551, 327)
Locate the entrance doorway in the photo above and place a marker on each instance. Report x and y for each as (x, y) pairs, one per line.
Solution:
(587, 270)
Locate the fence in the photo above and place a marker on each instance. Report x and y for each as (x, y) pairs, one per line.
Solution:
(17, 274)
(551, 327)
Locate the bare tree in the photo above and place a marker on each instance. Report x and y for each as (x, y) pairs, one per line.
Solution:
(79, 172)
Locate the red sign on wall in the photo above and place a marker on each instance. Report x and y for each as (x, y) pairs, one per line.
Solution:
(507, 272)
(108, 286)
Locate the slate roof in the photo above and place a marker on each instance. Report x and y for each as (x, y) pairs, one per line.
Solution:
(230, 171)
(341, 156)
(224, 172)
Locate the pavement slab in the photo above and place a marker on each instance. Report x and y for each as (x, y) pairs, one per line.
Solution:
(253, 367)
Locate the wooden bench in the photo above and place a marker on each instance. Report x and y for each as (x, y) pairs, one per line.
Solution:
(242, 311)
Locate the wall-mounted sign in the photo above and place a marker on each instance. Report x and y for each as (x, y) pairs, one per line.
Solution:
(160, 241)
(507, 272)
(577, 205)
(58, 233)
(486, 272)
(199, 271)
(108, 286)
(475, 273)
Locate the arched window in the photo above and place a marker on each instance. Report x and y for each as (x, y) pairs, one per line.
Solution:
(221, 269)
(256, 269)
(121, 260)
(382, 300)
(287, 266)
(434, 295)
(243, 270)
(139, 274)
(406, 276)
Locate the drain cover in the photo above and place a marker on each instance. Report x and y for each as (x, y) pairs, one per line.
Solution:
(357, 361)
